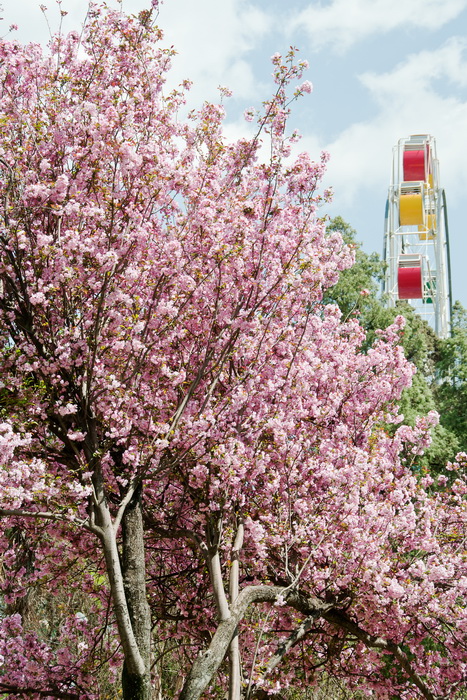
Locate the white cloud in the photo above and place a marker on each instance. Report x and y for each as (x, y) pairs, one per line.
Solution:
(409, 101)
(414, 77)
(214, 41)
(343, 23)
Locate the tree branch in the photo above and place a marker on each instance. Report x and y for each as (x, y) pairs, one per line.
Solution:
(341, 620)
(283, 648)
(207, 663)
(124, 503)
(211, 553)
(46, 515)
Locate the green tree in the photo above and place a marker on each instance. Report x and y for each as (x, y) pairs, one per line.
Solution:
(441, 380)
(451, 385)
(356, 292)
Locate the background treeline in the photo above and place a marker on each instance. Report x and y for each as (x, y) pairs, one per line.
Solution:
(441, 380)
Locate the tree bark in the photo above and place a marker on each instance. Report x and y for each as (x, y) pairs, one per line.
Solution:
(136, 686)
(105, 530)
(234, 651)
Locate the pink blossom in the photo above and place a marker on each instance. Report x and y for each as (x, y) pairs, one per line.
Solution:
(37, 298)
(76, 435)
(395, 590)
(306, 87)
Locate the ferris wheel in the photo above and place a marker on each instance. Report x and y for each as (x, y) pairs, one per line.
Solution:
(416, 238)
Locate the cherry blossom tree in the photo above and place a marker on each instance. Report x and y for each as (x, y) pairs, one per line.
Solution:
(196, 452)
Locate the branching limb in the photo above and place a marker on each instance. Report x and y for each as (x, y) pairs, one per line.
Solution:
(208, 662)
(211, 553)
(124, 503)
(283, 649)
(372, 642)
(46, 515)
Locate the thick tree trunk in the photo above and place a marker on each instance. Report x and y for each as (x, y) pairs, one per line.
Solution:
(104, 528)
(134, 685)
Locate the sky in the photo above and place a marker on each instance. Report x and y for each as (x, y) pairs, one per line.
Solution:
(381, 70)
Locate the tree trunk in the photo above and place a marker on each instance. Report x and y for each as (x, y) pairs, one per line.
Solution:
(136, 686)
(234, 651)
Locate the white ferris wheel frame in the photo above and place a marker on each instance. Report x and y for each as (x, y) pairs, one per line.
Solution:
(426, 246)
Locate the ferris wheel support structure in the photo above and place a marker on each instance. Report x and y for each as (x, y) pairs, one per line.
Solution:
(416, 238)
